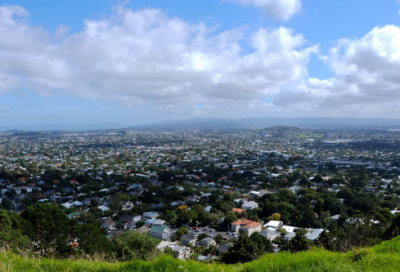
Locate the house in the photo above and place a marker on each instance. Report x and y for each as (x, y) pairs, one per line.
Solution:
(150, 215)
(249, 205)
(335, 218)
(103, 208)
(182, 252)
(224, 248)
(127, 205)
(164, 244)
(248, 226)
(254, 194)
(237, 210)
(206, 242)
(188, 239)
(295, 189)
(312, 234)
(270, 234)
(274, 224)
(108, 223)
(160, 230)
(143, 230)
(128, 218)
(203, 258)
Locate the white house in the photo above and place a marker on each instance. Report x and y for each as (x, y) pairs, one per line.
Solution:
(273, 224)
(249, 205)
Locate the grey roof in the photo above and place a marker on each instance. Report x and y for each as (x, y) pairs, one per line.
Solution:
(177, 248)
(312, 234)
(188, 237)
(224, 247)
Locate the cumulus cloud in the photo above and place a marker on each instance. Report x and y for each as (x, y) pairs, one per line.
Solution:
(367, 78)
(278, 9)
(144, 56)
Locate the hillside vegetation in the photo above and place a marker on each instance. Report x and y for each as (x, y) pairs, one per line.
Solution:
(383, 257)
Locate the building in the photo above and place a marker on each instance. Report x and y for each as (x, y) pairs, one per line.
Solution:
(160, 230)
(182, 252)
(206, 242)
(270, 234)
(237, 210)
(273, 224)
(312, 234)
(108, 223)
(249, 205)
(164, 244)
(248, 226)
(188, 239)
(224, 248)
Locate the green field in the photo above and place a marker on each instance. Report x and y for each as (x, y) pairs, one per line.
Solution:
(383, 257)
(314, 136)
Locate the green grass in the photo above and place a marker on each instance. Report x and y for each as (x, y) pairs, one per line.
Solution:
(383, 257)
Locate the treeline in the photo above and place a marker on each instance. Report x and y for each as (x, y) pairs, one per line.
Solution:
(45, 230)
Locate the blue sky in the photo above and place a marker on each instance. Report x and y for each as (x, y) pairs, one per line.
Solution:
(151, 60)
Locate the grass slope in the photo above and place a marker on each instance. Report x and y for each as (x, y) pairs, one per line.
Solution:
(383, 257)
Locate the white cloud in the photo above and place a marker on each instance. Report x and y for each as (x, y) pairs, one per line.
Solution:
(278, 9)
(145, 57)
(366, 82)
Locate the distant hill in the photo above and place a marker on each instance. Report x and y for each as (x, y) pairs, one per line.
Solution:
(257, 123)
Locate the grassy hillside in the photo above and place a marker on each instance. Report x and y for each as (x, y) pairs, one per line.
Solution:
(383, 257)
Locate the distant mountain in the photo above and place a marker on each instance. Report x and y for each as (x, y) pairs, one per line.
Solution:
(73, 127)
(257, 123)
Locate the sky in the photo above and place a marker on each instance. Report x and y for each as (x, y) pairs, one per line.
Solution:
(142, 61)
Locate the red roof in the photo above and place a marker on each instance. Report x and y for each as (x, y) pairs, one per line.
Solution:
(246, 223)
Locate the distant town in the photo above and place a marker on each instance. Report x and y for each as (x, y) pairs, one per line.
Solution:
(199, 191)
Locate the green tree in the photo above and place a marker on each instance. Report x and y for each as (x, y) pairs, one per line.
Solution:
(202, 236)
(246, 249)
(7, 204)
(92, 239)
(132, 245)
(180, 232)
(140, 224)
(229, 219)
(50, 231)
(299, 242)
(11, 231)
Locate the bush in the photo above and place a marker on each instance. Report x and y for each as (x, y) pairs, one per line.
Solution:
(132, 245)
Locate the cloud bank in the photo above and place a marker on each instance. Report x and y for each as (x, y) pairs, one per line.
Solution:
(145, 58)
(281, 10)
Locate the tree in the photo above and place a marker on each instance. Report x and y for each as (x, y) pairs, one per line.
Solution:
(11, 231)
(202, 236)
(169, 216)
(94, 203)
(50, 231)
(219, 239)
(132, 245)
(246, 249)
(92, 239)
(275, 216)
(356, 182)
(140, 224)
(229, 219)
(394, 229)
(115, 202)
(27, 201)
(299, 242)
(180, 232)
(7, 204)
